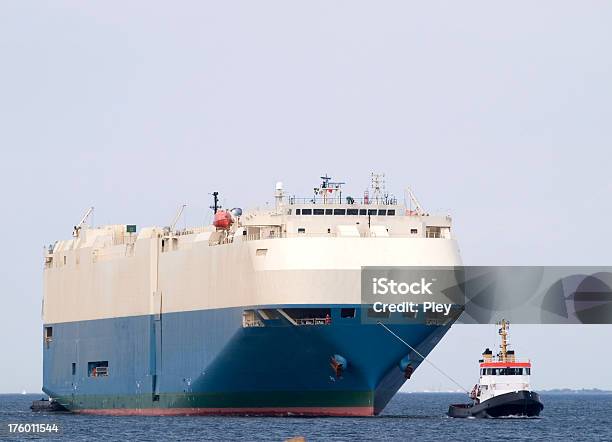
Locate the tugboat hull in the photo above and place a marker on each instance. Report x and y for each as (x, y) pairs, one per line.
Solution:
(518, 403)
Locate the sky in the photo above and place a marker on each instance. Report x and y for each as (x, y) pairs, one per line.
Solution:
(500, 113)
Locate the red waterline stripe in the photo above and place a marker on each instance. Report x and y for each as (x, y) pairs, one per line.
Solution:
(267, 411)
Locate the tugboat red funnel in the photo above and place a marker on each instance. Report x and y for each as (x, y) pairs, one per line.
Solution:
(504, 387)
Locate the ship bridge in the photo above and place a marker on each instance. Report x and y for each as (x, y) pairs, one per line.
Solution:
(328, 214)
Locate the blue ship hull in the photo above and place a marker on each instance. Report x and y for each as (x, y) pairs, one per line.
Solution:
(206, 362)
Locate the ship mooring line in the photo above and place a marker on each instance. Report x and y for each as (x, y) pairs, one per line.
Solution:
(423, 357)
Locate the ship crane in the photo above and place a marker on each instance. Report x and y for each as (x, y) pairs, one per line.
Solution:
(81, 223)
(177, 217)
(419, 209)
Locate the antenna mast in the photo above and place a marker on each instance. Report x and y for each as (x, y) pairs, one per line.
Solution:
(378, 187)
(503, 331)
(329, 189)
(215, 205)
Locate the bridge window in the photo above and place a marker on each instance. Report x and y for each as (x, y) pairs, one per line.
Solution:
(328, 211)
(339, 211)
(298, 211)
(362, 212)
(382, 212)
(391, 212)
(371, 211)
(306, 211)
(506, 371)
(318, 212)
(352, 211)
(301, 230)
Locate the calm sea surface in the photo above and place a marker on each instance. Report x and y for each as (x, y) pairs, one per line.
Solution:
(416, 416)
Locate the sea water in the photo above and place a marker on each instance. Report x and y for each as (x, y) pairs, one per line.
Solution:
(409, 416)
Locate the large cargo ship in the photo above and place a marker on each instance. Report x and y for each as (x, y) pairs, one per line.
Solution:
(258, 313)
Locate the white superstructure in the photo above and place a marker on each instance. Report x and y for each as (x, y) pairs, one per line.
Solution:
(302, 251)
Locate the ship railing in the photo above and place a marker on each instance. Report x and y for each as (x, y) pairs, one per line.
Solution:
(312, 235)
(258, 236)
(362, 234)
(390, 201)
(312, 321)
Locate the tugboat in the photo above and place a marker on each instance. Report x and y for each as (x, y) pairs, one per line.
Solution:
(504, 388)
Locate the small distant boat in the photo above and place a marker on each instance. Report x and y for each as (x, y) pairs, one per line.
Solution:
(504, 388)
(47, 405)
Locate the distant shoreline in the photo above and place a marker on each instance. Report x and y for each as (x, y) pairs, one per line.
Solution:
(551, 391)
(570, 391)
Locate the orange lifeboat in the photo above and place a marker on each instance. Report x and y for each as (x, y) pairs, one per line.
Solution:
(223, 219)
